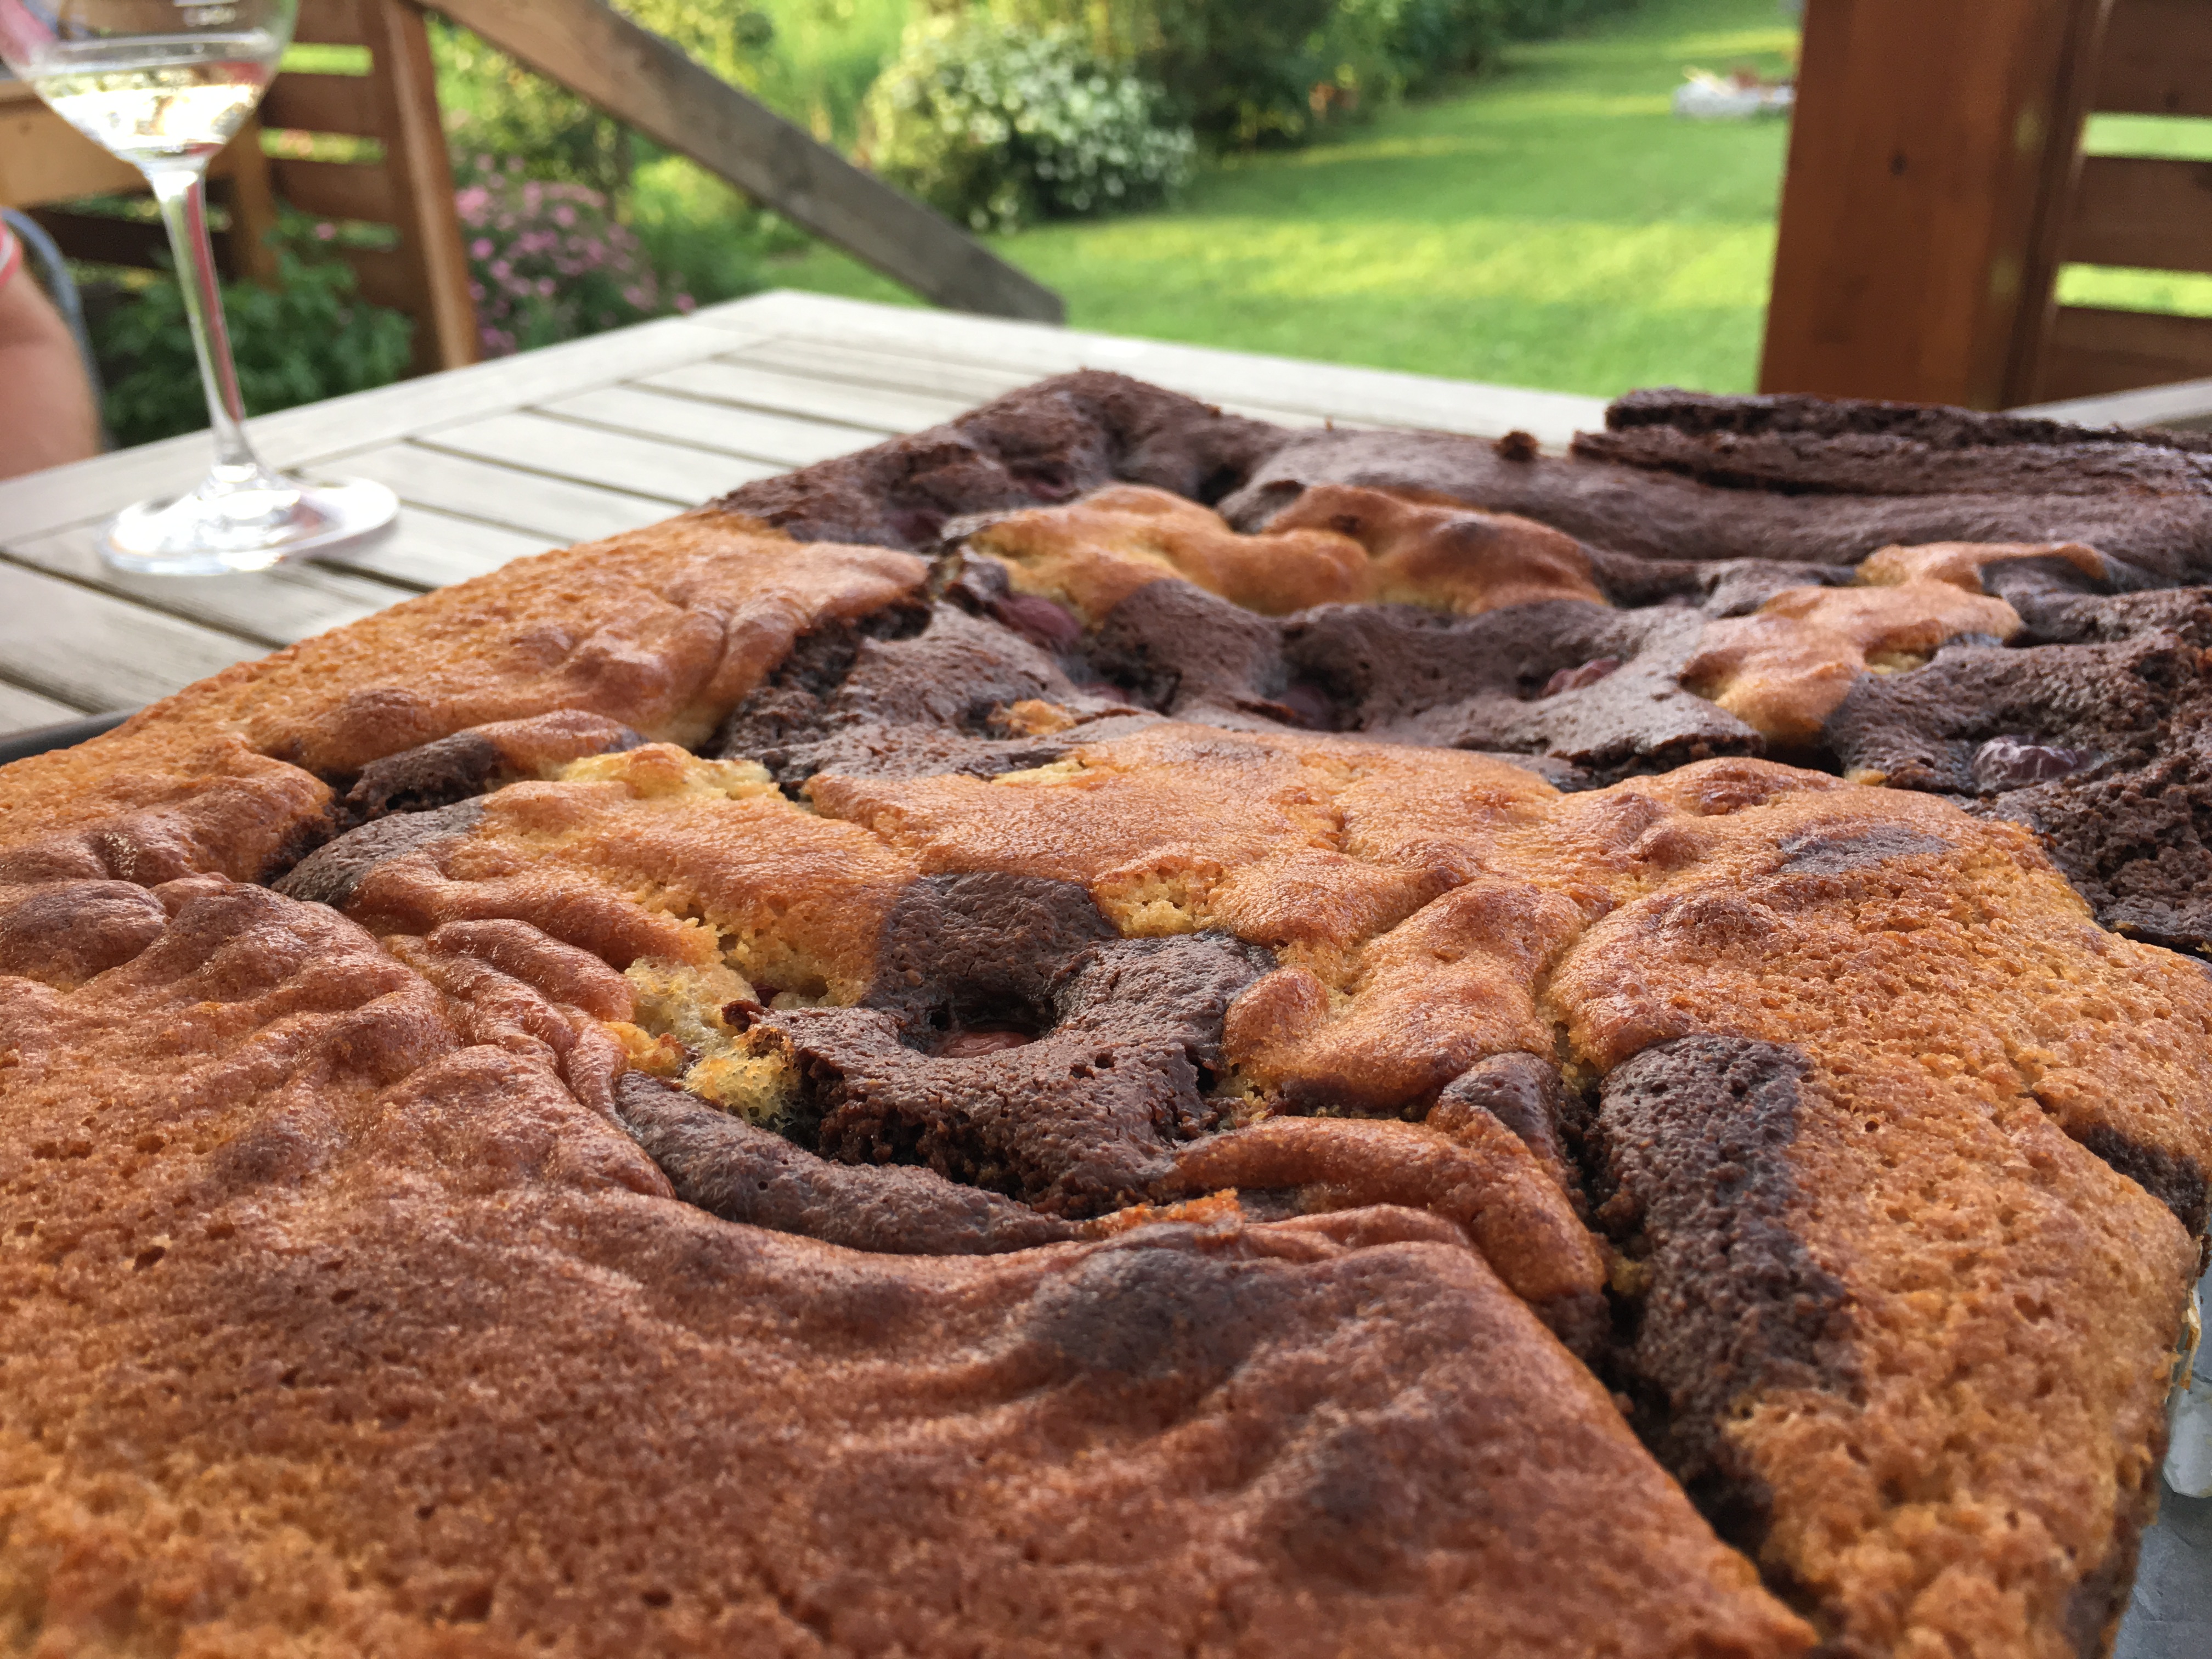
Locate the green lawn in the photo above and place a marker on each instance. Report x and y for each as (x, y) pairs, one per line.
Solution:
(1550, 225)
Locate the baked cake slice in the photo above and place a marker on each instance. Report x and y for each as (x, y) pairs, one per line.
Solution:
(1113, 1029)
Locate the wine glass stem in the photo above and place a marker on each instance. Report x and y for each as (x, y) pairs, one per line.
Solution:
(182, 194)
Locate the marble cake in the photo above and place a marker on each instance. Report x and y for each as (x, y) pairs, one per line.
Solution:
(1115, 1029)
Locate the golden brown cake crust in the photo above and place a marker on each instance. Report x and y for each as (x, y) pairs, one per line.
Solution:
(713, 1093)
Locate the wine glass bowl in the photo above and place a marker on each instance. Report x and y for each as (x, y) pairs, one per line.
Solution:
(164, 84)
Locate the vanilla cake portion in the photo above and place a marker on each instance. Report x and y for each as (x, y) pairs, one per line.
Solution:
(1111, 1028)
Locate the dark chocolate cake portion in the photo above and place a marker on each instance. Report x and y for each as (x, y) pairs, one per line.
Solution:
(1045, 443)
(1701, 492)
(2101, 741)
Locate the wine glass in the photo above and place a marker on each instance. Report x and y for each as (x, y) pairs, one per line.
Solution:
(164, 84)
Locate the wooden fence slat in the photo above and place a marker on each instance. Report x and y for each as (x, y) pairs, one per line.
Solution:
(322, 103)
(2137, 211)
(44, 159)
(2092, 352)
(640, 78)
(336, 189)
(100, 239)
(2157, 58)
(385, 276)
(330, 24)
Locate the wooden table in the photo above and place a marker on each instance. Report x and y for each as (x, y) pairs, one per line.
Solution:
(581, 440)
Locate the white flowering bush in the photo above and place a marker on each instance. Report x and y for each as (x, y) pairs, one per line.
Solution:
(996, 126)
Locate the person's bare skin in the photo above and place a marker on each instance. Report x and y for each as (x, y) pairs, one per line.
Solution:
(46, 416)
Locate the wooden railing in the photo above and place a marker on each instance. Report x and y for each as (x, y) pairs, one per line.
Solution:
(1937, 188)
(639, 78)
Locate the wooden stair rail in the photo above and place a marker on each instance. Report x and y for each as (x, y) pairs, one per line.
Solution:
(640, 79)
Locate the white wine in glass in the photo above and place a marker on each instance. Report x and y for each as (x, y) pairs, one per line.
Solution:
(164, 84)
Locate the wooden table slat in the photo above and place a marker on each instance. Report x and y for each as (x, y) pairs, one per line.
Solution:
(500, 496)
(1350, 396)
(677, 473)
(430, 549)
(88, 491)
(20, 710)
(94, 651)
(877, 409)
(943, 377)
(274, 607)
(755, 433)
(931, 376)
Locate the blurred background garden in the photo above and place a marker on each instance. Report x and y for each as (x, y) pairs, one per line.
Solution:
(1495, 190)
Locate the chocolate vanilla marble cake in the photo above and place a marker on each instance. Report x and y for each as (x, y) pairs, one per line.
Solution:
(1115, 1029)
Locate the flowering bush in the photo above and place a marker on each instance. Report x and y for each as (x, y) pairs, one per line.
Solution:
(547, 262)
(995, 126)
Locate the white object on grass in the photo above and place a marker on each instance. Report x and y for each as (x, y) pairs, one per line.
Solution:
(1704, 96)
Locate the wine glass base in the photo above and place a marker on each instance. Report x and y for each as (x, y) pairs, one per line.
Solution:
(211, 532)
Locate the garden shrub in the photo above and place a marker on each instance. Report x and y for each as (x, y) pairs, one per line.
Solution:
(1428, 41)
(309, 338)
(548, 262)
(1240, 73)
(494, 103)
(996, 125)
(1246, 72)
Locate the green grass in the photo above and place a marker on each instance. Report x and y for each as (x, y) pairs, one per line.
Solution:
(1551, 224)
(2176, 138)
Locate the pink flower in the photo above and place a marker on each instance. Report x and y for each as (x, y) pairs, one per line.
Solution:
(480, 248)
(323, 232)
(564, 215)
(476, 292)
(685, 303)
(501, 271)
(545, 287)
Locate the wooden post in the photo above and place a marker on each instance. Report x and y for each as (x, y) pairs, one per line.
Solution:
(422, 183)
(1930, 162)
(637, 77)
(252, 206)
